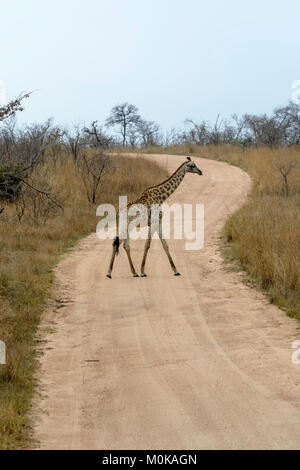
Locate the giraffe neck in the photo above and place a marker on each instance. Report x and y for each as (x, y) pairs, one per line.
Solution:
(159, 193)
(162, 191)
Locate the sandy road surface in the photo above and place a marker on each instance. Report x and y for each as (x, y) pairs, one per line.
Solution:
(199, 361)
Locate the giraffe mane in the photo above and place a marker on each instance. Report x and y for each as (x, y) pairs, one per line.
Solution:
(171, 176)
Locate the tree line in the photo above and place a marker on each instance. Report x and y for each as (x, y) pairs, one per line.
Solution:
(280, 128)
(23, 150)
(127, 128)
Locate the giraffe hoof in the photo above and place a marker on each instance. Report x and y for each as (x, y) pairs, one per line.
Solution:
(109, 276)
(143, 275)
(177, 274)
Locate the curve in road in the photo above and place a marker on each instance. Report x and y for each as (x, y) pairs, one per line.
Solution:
(200, 361)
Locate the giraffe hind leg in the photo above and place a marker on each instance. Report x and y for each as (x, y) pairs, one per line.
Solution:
(115, 251)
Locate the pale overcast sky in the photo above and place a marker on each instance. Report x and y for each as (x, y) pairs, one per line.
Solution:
(172, 58)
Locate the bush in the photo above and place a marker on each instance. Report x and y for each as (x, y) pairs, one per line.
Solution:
(10, 185)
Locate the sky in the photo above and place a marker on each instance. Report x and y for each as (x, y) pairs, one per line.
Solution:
(173, 59)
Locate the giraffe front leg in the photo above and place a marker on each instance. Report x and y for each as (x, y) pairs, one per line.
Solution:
(127, 249)
(166, 248)
(147, 247)
(111, 264)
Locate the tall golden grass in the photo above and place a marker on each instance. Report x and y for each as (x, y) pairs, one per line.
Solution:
(29, 253)
(264, 235)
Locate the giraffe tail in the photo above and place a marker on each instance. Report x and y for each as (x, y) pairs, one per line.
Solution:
(116, 243)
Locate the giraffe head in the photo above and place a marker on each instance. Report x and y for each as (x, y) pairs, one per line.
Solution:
(191, 167)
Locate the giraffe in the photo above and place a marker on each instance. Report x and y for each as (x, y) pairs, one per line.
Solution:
(155, 195)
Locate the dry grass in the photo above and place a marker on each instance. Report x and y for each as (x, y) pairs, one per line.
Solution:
(28, 254)
(264, 235)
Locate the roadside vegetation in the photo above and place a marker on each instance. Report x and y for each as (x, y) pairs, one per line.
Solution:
(264, 235)
(50, 185)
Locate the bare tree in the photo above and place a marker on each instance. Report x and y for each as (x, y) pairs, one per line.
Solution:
(38, 207)
(197, 134)
(239, 125)
(172, 137)
(92, 166)
(9, 185)
(55, 143)
(13, 106)
(124, 116)
(21, 152)
(74, 142)
(215, 137)
(285, 166)
(96, 136)
(270, 131)
(290, 116)
(26, 146)
(145, 133)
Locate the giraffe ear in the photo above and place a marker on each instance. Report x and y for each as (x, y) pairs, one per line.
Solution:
(188, 158)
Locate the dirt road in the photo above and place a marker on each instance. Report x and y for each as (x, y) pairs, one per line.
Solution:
(199, 361)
